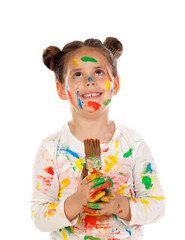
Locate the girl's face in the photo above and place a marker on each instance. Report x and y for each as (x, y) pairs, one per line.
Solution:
(89, 84)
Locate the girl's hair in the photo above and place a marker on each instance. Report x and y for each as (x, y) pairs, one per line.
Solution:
(55, 59)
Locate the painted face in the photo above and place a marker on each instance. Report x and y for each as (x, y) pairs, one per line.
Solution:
(88, 80)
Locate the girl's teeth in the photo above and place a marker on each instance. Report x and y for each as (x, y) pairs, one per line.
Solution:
(91, 94)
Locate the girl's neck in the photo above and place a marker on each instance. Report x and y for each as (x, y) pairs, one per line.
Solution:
(100, 127)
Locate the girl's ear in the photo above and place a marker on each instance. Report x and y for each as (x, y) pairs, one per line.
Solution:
(61, 90)
(116, 85)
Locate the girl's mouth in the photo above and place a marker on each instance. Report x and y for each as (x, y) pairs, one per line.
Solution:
(91, 95)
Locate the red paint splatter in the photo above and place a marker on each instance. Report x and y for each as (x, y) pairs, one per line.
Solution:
(71, 99)
(131, 193)
(94, 105)
(108, 74)
(90, 222)
(105, 149)
(49, 170)
(46, 181)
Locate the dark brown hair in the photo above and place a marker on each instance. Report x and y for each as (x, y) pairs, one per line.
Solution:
(55, 59)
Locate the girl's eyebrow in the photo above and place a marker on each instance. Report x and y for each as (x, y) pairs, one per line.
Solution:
(75, 70)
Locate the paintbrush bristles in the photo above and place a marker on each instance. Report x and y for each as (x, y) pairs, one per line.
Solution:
(92, 148)
(92, 155)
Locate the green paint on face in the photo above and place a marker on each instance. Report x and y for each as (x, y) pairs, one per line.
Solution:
(128, 154)
(89, 59)
(147, 181)
(107, 102)
(91, 238)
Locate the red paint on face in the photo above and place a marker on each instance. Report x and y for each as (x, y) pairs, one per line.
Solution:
(49, 170)
(90, 222)
(71, 99)
(108, 74)
(94, 105)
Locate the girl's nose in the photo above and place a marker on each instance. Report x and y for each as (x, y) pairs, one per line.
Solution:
(90, 82)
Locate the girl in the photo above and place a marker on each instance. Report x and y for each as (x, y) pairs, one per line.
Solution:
(86, 76)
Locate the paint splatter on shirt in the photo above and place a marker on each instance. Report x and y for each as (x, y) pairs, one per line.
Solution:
(56, 174)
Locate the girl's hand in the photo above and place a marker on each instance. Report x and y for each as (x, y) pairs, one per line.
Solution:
(84, 192)
(119, 206)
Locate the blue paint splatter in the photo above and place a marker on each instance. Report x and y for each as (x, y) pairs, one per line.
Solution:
(70, 152)
(130, 233)
(148, 169)
(78, 100)
(90, 79)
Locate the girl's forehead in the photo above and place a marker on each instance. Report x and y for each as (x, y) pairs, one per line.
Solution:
(86, 54)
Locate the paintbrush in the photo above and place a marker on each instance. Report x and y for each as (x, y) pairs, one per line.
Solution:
(92, 155)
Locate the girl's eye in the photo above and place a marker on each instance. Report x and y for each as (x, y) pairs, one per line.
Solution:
(77, 75)
(99, 72)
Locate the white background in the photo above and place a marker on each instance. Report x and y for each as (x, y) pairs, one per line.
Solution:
(151, 99)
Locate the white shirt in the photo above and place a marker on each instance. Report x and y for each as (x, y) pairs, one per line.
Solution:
(56, 174)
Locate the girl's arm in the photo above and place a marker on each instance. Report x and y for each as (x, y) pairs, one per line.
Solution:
(48, 212)
(146, 205)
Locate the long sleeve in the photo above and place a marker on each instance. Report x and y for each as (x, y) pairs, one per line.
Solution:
(46, 209)
(147, 203)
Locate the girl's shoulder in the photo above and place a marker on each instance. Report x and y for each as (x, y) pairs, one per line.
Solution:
(52, 141)
(128, 134)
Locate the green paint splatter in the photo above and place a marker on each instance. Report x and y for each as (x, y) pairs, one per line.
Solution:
(128, 154)
(107, 102)
(89, 59)
(93, 205)
(147, 181)
(60, 230)
(91, 238)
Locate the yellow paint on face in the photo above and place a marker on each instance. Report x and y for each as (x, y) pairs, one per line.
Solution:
(65, 183)
(79, 164)
(121, 189)
(107, 83)
(75, 62)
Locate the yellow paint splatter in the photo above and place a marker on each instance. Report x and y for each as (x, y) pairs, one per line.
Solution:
(51, 209)
(157, 198)
(65, 183)
(116, 144)
(38, 185)
(64, 234)
(110, 165)
(79, 164)
(75, 62)
(107, 83)
(121, 189)
(144, 201)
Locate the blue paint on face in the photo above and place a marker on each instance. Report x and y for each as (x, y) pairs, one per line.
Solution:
(66, 87)
(90, 79)
(78, 100)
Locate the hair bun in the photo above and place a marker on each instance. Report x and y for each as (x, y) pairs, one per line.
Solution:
(50, 56)
(114, 45)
